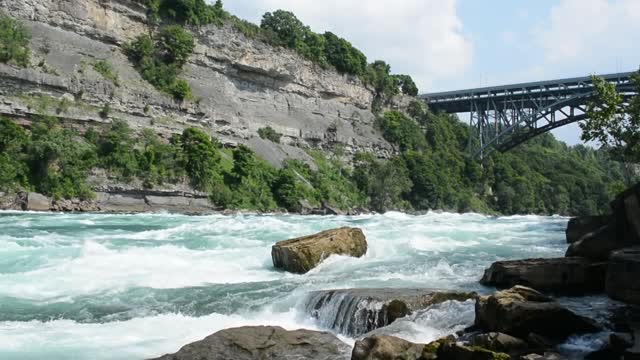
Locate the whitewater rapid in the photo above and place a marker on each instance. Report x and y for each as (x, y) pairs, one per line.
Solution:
(97, 286)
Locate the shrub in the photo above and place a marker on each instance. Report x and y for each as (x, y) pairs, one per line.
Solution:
(175, 44)
(104, 68)
(202, 160)
(343, 56)
(402, 131)
(192, 12)
(14, 41)
(160, 62)
(268, 133)
(406, 85)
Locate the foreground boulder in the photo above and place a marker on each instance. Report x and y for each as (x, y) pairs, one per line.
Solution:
(263, 342)
(500, 342)
(581, 226)
(562, 275)
(520, 311)
(355, 312)
(597, 245)
(623, 275)
(383, 347)
(303, 254)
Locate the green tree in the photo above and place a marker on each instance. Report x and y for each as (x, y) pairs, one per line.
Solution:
(343, 56)
(611, 122)
(202, 160)
(407, 85)
(402, 131)
(13, 144)
(176, 44)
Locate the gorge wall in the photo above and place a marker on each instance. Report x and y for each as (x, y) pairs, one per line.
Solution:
(239, 85)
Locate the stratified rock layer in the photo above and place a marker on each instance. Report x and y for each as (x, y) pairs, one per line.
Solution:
(561, 275)
(623, 275)
(303, 254)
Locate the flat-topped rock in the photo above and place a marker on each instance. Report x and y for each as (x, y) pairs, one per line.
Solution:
(358, 311)
(302, 254)
(520, 311)
(264, 342)
(572, 275)
(623, 275)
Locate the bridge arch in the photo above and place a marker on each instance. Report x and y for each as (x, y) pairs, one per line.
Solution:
(503, 117)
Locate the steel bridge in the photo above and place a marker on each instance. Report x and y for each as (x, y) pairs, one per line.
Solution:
(503, 117)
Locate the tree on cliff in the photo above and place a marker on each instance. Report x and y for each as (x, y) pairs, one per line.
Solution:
(614, 121)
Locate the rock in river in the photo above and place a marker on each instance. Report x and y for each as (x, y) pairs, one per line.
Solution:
(623, 273)
(562, 275)
(580, 226)
(303, 254)
(264, 342)
(357, 311)
(520, 311)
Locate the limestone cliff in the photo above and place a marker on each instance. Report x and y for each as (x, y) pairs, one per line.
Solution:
(240, 85)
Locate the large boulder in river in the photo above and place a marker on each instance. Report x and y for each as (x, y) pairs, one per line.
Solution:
(597, 245)
(355, 312)
(623, 275)
(520, 311)
(562, 275)
(264, 342)
(302, 254)
(38, 202)
(580, 226)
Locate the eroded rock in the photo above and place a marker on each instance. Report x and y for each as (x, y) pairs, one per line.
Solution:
(38, 202)
(622, 281)
(264, 342)
(304, 253)
(580, 226)
(562, 275)
(521, 310)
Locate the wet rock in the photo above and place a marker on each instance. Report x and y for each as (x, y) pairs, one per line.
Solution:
(561, 275)
(545, 356)
(357, 311)
(303, 254)
(581, 226)
(521, 310)
(383, 347)
(500, 342)
(38, 202)
(597, 245)
(263, 342)
(622, 281)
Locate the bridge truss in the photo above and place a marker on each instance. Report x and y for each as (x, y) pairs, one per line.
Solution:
(503, 117)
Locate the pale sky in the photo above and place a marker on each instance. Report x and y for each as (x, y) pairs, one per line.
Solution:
(457, 44)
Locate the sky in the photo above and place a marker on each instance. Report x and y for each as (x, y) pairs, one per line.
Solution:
(458, 44)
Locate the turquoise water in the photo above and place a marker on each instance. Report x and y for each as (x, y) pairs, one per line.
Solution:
(95, 286)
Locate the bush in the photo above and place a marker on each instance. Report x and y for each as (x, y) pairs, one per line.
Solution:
(202, 160)
(343, 56)
(268, 133)
(160, 62)
(192, 12)
(251, 181)
(105, 69)
(13, 144)
(14, 41)
(402, 131)
(406, 85)
(175, 44)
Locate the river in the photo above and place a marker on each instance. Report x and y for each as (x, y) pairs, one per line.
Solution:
(98, 286)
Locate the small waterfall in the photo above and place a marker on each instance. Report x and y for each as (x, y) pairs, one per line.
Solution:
(353, 313)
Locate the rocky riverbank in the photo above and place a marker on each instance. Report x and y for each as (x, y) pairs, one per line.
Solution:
(519, 322)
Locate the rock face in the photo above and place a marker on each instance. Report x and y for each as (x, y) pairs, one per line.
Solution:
(264, 342)
(303, 254)
(561, 275)
(520, 311)
(239, 84)
(622, 282)
(38, 202)
(621, 232)
(580, 226)
(500, 342)
(355, 312)
(381, 347)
